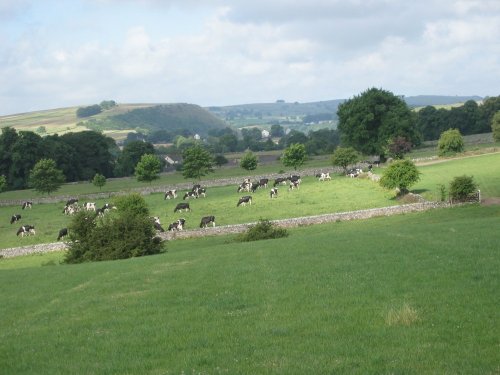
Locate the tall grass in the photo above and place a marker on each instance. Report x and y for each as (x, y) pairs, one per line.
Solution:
(315, 302)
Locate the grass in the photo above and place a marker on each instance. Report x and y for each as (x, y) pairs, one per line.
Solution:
(313, 197)
(315, 302)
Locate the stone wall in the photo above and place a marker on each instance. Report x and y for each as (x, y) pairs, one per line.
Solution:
(239, 228)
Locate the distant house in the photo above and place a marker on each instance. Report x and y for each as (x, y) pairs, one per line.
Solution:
(265, 133)
(197, 137)
(171, 160)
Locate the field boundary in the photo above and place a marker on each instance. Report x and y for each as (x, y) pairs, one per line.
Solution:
(239, 228)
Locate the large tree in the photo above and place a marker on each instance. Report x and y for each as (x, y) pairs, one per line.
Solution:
(197, 162)
(368, 121)
(450, 142)
(344, 156)
(45, 177)
(495, 127)
(294, 156)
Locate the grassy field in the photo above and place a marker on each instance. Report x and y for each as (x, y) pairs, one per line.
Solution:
(409, 294)
(340, 194)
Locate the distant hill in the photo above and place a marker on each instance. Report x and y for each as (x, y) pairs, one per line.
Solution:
(425, 100)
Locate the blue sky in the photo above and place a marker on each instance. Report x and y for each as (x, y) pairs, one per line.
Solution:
(219, 52)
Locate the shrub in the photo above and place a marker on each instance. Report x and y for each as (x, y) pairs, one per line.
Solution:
(462, 187)
(401, 174)
(263, 230)
(450, 142)
(126, 233)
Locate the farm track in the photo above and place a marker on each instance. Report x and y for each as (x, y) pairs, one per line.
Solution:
(239, 228)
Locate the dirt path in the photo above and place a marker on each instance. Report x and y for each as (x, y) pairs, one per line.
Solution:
(490, 201)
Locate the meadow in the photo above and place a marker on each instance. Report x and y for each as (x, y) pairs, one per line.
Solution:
(313, 198)
(408, 294)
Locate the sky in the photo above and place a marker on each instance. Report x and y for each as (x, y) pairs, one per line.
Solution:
(61, 53)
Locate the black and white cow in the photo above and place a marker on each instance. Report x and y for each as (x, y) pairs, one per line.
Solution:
(273, 193)
(254, 187)
(279, 180)
(205, 221)
(15, 218)
(294, 178)
(89, 206)
(244, 200)
(71, 209)
(107, 207)
(263, 182)
(177, 225)
(26, 230)
(181, 207)
(171, 194)
(202, 192)
(71, 201)
(157, 223)
(62, 233)
(190, 194)
(294, 185)
(27, 204)
(325, 176)
(245, 186)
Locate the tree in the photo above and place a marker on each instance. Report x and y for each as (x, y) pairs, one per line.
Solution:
(88, 111)
(344, 156)
(99, 180)
(277, 131)
(462, 187)
(249, 161)
(220, 160)
(369, 120)
(131, 155)
(129, 232)
(148, 168)
(401, 174)
(197, 162)
(495, 127)
(398, 147)
(45, 177)
(294, 156)
(450, 142)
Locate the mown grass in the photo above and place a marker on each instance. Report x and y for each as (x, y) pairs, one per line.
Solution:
(316, 302)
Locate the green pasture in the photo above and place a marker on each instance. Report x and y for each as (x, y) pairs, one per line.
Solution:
(313, 197)
(408, 294)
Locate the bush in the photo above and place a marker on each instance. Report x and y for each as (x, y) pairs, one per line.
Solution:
(401, 174)
(461, 188)
(263, 230)
(450, 142)
(88, 111)
(126, 233)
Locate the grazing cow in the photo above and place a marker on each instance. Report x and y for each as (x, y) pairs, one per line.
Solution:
(254, 187)
(294, 185)
(71, 201)
(158, 227)
(244, 200)
(202, 191)
(177, 225)
(205, 221)
(279, 180)
(27, 204)
(171, 194)
(325, 176)
(26, 230)
(263, 182)
(245, 186)
(190, 194)
(89, 206)
(71, 209)
(182, 206)
(15, 218)
(273, 193)
(354, 172)
(294, 178)
(62, 233)
(196, 187)
(100, 212)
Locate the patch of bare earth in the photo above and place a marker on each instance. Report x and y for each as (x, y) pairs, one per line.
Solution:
(490, 201)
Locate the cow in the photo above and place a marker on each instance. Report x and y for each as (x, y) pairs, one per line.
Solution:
(15, 218)
(244, 200)
(195, 187)
(157, 223)
(182, 206)
(62, 233)
(89, 206)
(27, 204)
(263, 182)
(293, 185)
(100, 212)
(325, 176)
(190, 194)
(71, 209)
(279, 180)
(177, 225)
(26, 230)
(71, 201)
(245, 186)
(294, 178)
(202, 191)
(273, 193)
(254, 187)
(354, 172)
(205, 221)
(171, 194)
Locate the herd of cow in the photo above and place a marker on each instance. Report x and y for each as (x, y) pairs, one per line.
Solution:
(72, 205)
